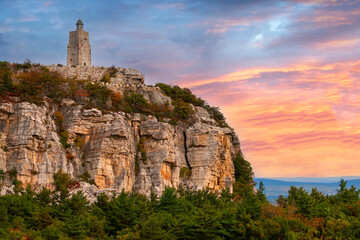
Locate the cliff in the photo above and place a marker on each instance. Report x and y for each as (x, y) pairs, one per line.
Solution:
(142, 150)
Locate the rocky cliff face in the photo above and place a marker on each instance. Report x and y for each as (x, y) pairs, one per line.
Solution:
(118, 150)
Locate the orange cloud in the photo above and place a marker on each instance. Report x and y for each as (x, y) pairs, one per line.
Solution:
(296, 120)
(301, 69)
(344, 43)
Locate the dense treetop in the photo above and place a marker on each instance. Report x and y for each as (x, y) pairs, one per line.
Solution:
(180, 214)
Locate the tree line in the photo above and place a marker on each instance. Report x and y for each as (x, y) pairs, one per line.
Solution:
(180, 213)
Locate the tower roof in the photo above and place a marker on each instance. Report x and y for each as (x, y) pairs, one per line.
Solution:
(79, 23)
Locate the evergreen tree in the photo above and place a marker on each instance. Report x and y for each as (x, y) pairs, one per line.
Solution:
(260, 192)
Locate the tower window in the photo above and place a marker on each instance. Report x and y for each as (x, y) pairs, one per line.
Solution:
(84, 64)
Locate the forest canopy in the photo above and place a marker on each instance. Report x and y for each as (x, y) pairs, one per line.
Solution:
(180, 214)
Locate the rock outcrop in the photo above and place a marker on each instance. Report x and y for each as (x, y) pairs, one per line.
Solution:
(118, 150)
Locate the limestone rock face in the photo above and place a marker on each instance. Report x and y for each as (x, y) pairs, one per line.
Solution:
(210, 150)
(30, 144)
(117, 150)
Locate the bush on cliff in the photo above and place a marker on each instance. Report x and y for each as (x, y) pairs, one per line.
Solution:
(6, 83)
(34, 84)
(182, 97)
(136, 101)
(176, 93)
(98, 93)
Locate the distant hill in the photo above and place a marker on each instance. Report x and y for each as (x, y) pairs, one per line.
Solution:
(274, 188)
(314, 179)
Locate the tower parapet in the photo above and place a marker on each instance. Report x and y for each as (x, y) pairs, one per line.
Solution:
(79, 49)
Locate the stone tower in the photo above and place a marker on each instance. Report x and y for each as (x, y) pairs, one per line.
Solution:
(79, 50)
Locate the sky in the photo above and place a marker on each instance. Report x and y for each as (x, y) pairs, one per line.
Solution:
(285, 74)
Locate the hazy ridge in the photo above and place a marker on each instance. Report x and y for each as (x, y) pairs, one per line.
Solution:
(275, 187)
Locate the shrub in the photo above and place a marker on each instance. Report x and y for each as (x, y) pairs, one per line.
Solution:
(141, 149)
(137, 164)
(30, 87)
(25, 65)
(183, 110)
(173, 122)
(6, 83)
(243, 170)
(116, 100)
(36, 84)
(79, 141)
(74, 184)
(2, 174)
(105, 78)
(176, 93)
(17, 185)
(85, 176)
(112, 71)
(5, 149)
(81, 93)
(136, 100)
(181, 99)
(64, 136)
(98, 94)
(33, 172)
(13, 173)
(69, 156)
(185, 172)
(62, 182)
(59, 118)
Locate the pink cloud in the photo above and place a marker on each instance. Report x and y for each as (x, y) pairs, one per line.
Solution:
(292, 120)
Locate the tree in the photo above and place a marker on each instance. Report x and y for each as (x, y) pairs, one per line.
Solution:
(243, 176)
(243, 170)
(62, 182)
(345, 194)
(260, 192)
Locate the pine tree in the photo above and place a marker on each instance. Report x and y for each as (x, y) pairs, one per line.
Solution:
(260, 192)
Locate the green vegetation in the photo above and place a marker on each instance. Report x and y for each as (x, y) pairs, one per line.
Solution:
(79, 141)
(112, 71)
(182, 97)
(4, 148)
(36, 84)
(180, 94)
(243, 175)
(185, 172)
(2, 174)
(64, 136)
(98, 94)
(6, 83)
(85, 177)
(106, 78)
(136, 102)
(175, 215)
(26, 65)
(13, 173)
(179, 214)
(141, 149)
(59, 118)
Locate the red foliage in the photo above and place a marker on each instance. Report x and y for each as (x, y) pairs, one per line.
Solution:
(74, 184)
(81, 93)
